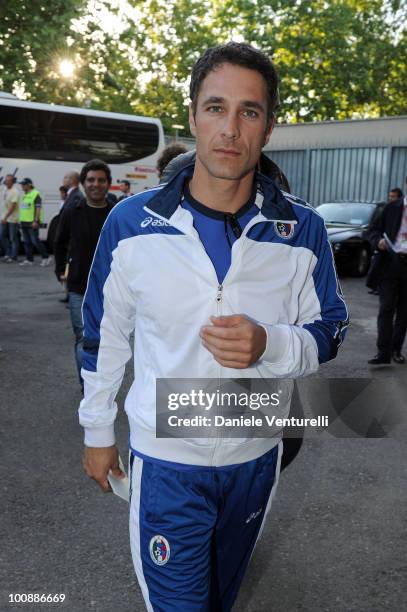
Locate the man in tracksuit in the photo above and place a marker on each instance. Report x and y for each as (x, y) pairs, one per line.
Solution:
(220, 275)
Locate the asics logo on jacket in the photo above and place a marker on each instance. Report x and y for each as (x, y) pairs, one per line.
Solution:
(153, 221)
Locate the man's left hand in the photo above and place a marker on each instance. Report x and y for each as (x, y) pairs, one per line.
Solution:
(235, 341)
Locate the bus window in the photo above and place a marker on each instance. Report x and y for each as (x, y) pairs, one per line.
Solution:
(49, 135)
(13, 136)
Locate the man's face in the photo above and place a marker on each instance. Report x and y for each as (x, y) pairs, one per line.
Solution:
(96, 185)
(67, 182)
(9, 181)
(393, 196)
(27, 187)
(123, 188)
(71, 179)
(230, 123)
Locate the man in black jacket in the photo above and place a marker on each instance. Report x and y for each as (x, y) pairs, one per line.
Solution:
(71, 182)
(79, 229)
(389, 236)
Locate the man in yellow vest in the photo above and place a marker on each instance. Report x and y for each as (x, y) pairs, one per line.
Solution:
(30, 219)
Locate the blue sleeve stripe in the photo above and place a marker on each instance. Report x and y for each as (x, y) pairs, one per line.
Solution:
(328, 337)
(330, 330)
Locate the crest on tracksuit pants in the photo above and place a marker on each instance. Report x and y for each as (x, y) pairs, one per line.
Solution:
(159, 550)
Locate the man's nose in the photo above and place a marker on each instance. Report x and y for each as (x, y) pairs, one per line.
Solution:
(231, 128)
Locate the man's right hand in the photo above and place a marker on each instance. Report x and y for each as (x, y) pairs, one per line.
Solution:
(382, 245)
(98, 461)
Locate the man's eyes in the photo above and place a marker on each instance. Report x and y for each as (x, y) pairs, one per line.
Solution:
(249, 113)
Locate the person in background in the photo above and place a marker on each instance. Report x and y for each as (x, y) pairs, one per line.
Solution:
(389, 236)
(30, 219)
(125, 189)
(71, 182)
(78, 230)
(72, 193)
(395, 194)
(373, 275)
(169, 153)
(63, 193)
(9, 220)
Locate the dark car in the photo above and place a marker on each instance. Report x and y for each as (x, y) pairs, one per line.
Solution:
(346, 223)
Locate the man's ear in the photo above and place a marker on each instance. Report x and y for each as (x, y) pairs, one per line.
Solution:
(269, 129)
(191, 118)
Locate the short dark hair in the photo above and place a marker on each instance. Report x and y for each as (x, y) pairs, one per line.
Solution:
(398, 191)
(167, 155)
(95, 164)
(125, 182)
(63, 188)
(238, 54)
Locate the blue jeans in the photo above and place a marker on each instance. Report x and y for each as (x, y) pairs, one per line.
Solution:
(9, 239)
(75, 309)
(3, 238)
(31, 240)
(12, 240)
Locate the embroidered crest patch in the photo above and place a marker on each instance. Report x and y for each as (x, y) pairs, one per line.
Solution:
(284, 230)
(159, 550)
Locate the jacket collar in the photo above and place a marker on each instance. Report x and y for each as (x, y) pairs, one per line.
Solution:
(275, 205)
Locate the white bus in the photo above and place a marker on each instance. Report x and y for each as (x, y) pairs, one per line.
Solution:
(43, 141)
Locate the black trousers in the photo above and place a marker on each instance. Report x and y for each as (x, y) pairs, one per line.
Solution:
(392, 319)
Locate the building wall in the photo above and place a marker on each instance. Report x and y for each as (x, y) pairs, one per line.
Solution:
(387, 131)
(360, 173)
(340, 160)
(398, 168)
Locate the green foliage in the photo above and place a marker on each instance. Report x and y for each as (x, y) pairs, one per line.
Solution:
(33, 36)
(336, 59)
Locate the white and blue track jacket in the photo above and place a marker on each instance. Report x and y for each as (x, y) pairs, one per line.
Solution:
(151, 275)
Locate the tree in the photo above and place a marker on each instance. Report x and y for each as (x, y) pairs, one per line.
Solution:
(336, 59)
(33, 39)
(147, 67)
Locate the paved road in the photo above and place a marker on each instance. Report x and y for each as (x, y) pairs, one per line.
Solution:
(336, 540)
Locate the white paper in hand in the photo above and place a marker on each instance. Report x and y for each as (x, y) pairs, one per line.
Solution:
(120, 486)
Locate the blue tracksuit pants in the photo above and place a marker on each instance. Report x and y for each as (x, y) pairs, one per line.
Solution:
(193, 529)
